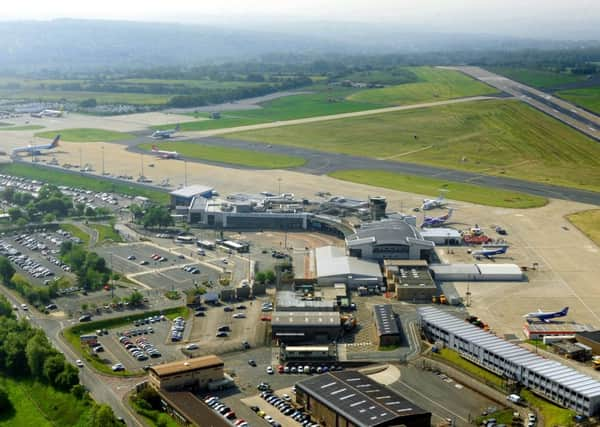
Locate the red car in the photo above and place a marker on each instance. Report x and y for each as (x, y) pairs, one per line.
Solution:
(265, 318)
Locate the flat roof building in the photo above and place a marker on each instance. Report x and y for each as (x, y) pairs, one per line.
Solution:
(442, 236)
(306, 327)
(334, 266)
(553, 380)
(476, 272)
(349, 398)
(591, 339)
(291, 301)
(410, 279)
(387, 330)
(196, 373)
(539, 330)
(184, 196)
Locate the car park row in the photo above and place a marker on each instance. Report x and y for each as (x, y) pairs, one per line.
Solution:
(225, 411)
(177, 329)
(284, 404)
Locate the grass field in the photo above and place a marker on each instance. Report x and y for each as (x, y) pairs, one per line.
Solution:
(39, 405)
(482, 374)
(96, 184)
(323, 102)
(588, 98)
(495, 137)
(76, 232)
(502, 417)
(106, 233)
(232, 156)
(78, 96)
(553, 415)
(86, 135)
(434, 85)
(537, 78)
(25, 127)
(588, 222)
(431, 187)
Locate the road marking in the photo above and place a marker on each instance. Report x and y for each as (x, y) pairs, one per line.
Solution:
(432, 401)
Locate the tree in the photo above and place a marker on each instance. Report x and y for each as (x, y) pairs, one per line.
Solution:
(270, 277)
(68, 377)
(151, 396)
(38, 349)
(260, 277)
(136, 299)
(90, 211)
(6, 270)
(15, 214)
(102, 416)
(53, 366)
(49, 217)
(78, 391)
(5, 307)
(5, 403)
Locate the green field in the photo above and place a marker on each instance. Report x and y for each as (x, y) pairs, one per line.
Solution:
(431, 187)
(78, 96)
(86, 135)
(198, 84)
(552, 414)
(76, 232)
(588, 98)
(106, 233)
(495, 137)
(479, 373)
(39, 405)
(322, 103)
(588, 222)
(537, 78)
(25, 127)
(234, 156)
(96, 184)
(434, 85)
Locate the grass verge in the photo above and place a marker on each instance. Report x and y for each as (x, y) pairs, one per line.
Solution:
(588, 222)
(25, 127)
(86, 135)
(72, 335)
(586, 97)
(106, 233)
(478, 372)
(431, 187)
(553, 415)
(76, 232)
(92, 183)
(232, 156)
(502, 417)
(537, 78)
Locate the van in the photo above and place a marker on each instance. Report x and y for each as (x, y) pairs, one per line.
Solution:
(515, 398)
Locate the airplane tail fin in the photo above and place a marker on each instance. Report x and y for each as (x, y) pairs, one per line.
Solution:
(564, 311)
(449, 215)
(54, 143)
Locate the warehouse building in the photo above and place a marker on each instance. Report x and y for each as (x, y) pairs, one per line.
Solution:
(294, 327)
(351, 399)
(388, 239)
(387, 329)
(410, 280)
(183, 197)
(553, 380)
(591, 339)
(197, 374)
(442, 236)
(476, 272)
(540, 330)
(334, 266)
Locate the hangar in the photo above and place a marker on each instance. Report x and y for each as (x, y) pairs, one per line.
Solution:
(388, 239)
(476, 272)
(334, 266)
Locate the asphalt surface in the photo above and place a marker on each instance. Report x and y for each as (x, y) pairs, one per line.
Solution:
(582, 120)
(319, 162)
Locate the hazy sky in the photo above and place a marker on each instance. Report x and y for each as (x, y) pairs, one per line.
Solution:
(519, 17)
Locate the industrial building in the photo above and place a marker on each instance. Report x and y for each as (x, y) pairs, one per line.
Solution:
(293, 327)
(387, 329)
(410, 280)
(591, 339)
(334, 266)
(476, 272)
(540, 330)
(575, 351)
(183, 197)
(351, 399)
(291, 301)
(308, 353)
(442, 236)
(388, 239)
(197, 374)
(553, 380)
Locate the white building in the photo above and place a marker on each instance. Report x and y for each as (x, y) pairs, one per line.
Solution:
(334, 266)
(476, 272)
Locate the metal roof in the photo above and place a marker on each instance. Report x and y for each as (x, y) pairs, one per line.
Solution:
(385, 320)
(332, 261)
(306, 318)
(387, 232)
(359, 399)
(552, 370)
(192, 190)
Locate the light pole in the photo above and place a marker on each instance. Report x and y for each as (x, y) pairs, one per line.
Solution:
(279, 186)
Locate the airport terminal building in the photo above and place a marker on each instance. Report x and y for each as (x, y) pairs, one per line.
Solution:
(553, 380)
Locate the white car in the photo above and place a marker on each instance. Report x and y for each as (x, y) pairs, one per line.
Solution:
(79, 363)
(239, 316)
(192, 347)
(270, 370)
(269, 419)
(24, 307)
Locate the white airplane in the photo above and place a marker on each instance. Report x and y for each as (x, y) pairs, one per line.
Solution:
(546, 316)
(48, 113)
(37, 149)
(428, 204)
(165, 154)
(164, 134)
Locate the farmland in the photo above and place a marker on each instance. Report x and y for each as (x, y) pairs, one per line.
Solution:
(588, 98)
(86, 135)
(434, 85)
(538, 78)
(492, 137)
(431, 187)
(231, 156)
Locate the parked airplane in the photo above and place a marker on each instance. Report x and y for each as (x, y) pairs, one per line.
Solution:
(490, 253)
(165, 154)
(433, 203)
(437, 221)
(37, 149)
(48, 113)
(546, 316)
(164, 134)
